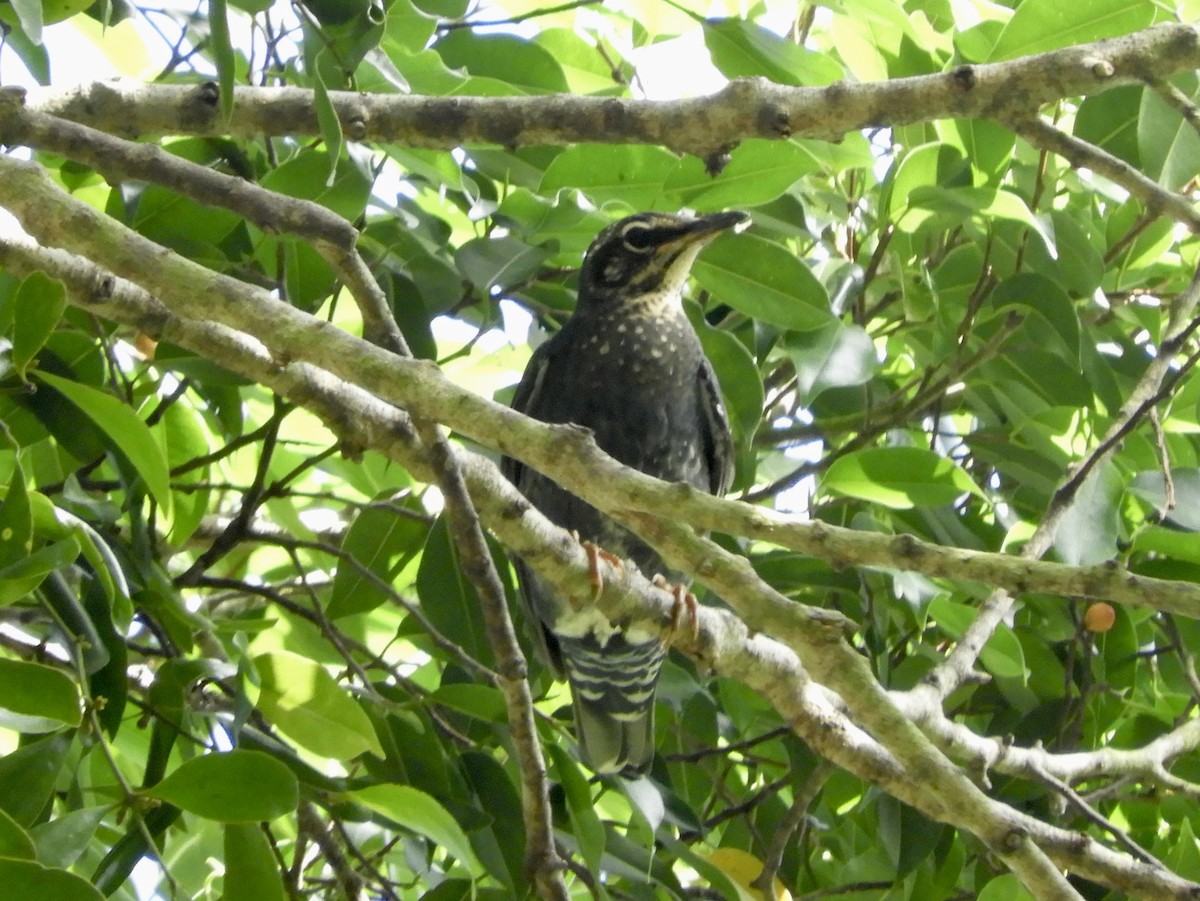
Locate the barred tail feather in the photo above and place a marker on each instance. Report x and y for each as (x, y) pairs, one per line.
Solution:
(613, 690)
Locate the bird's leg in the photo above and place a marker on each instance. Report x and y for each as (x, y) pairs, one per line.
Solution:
(595, 554)
(685, 603)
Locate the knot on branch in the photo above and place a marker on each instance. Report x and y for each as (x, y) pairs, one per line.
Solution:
(1100, 68)
(1013, 840)
(963, 78)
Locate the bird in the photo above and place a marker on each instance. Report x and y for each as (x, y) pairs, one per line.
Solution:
(628, 366)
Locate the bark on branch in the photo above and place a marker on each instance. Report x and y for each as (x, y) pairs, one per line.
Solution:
(746, 108)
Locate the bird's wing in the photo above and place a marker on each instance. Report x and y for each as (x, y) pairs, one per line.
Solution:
(527, 399)
(714, 426)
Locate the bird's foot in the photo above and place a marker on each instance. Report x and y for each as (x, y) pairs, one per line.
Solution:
(595, 554)
(685, 604)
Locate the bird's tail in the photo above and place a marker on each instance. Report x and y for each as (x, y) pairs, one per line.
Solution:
(613, 690)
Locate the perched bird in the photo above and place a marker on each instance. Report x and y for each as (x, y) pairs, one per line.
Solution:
(628, 366)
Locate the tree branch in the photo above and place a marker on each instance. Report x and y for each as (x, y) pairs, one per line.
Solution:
(747, 108)
(723, 642)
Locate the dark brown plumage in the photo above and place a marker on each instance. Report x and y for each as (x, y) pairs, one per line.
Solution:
(629, 367)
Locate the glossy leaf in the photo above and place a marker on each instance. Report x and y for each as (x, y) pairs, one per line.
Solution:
(15, 842)
(28, 776)
(32, 689)
(633, 175)
(39, 305)
(27, 879)
(422, 814)
(898, 477)
(836, 356)
(740, 48)
(251, 873)
(16, 520)
(1047, 25)
(124, 428)
(231, 787)
(764, 281)
(311, 708)
(382, 541)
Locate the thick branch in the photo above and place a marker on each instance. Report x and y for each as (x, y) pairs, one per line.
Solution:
(750, 108)
(723, 641)
(564, 453)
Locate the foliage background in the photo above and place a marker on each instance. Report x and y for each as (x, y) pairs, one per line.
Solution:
(928, 330)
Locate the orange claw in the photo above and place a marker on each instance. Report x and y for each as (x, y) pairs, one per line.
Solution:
(685, 602)
(595, 554)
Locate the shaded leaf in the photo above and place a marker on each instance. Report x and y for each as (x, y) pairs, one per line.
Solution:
(231, 787)
(415, 810)
(32, 689)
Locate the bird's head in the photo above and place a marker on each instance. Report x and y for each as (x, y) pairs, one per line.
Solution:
(645, 259)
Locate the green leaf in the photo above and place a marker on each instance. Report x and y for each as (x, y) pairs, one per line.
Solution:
(763, 280)
(1002, 656)
(382, 541)
(421, 813)
(63, 840)
(757, 173)
(21, 578)
(15, 841)
(447, 597)
(38, 308)
(1168, 145)
(1050, 316)
(231, 787)
(16, 520)
(985, 204)
(327, 122)
(1090, 529)
(899, 477)
(29, 16)
(1041, 25)
(31, 689)
(28, 775)
(128, 434)
(483, 702)
(27, 879)
(1110, 120)
(500, 845)
(499, 264)
(1150, 486)
(185, 439)
(251, 873)
(1005, 887)
(835, 356)
(634, 175)
(742, 49)
(305, 176)
(740, 382)
(222, 50)
(311, 708)
(585, 822)
(506, 58)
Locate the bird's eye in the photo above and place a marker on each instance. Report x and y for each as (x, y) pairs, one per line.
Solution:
(638, 238)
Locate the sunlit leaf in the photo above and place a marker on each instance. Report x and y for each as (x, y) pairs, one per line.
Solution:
(128, 434)
(899, 477)
(310, 707)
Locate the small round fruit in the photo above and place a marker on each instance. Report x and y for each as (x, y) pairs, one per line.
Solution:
(1099, 617)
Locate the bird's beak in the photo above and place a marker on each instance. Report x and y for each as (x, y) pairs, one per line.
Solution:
(703, 229)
